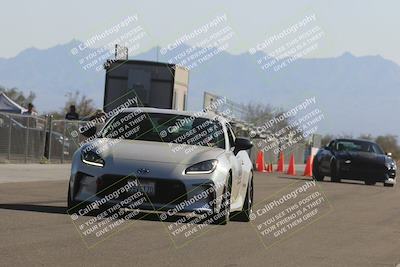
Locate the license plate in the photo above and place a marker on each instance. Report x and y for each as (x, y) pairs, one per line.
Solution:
(149, 188)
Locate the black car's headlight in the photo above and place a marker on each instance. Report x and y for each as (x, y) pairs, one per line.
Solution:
(391, 165)
(92, 158)
(203, 167)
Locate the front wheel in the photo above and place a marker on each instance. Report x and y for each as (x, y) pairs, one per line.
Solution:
(369, 182)
(244, 215)
(316, 174)
(222, 217)
(72, 206)
(388, 185)
(334, 173)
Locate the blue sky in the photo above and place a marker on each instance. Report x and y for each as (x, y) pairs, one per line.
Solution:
(361, 27)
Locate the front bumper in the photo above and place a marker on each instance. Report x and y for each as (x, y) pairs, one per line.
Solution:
(174, 191)
(171, 195)
(376, 173)
(390, 181)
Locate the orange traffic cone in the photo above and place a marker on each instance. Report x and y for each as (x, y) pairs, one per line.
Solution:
(260, 165)
(281, 163)
(308, 168)
(291, 169)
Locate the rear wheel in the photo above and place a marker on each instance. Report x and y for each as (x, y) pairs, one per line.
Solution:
(244, 215)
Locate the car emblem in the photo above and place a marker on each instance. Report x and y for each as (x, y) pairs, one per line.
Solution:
(143, 171)
(348, 161)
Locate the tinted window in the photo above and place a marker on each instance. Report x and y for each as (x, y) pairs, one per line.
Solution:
(357, 146)
(170, 128)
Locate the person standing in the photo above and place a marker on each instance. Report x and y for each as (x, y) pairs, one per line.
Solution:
(72, 114)
(30, 110)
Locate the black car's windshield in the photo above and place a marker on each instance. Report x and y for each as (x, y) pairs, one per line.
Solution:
(160, 127)
(357, 146)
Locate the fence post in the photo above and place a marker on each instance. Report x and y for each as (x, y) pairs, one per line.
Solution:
(50, 134)
(27, 140)
(44, 136)
(9, 139)
(63, 143)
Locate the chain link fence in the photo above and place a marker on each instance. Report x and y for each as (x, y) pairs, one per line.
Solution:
(271, 151)
(22, 138)
(36, 139)
(33, 139)
(239, 114)
(64, 138)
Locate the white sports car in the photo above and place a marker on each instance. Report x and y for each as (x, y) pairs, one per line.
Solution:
(183, 162)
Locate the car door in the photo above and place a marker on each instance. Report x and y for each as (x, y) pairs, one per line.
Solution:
(236, 162)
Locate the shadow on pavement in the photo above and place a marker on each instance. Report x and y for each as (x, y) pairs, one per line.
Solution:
(296, 178)
(63, 210)
(34, 207)
(352, 182)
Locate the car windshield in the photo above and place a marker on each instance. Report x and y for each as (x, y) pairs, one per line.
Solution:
(357, 146)
(161, 127)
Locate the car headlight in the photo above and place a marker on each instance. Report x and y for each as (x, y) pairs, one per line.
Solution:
(92, 158)
(203, 167)
(391, 165)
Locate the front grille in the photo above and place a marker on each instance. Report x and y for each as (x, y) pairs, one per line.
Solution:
(167, 191)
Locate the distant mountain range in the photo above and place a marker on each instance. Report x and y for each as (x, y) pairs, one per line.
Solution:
(356, 94)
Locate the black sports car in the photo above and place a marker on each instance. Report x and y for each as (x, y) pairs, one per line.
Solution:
(354, 160)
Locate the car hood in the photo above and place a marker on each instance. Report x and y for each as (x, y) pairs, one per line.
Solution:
(154, 151)
(362, 157)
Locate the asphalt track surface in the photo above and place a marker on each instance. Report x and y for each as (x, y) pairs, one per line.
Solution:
(362, 228)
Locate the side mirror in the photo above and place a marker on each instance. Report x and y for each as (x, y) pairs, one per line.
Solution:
(327, 147)
(89, 132)
(389, 154)
(242, 144)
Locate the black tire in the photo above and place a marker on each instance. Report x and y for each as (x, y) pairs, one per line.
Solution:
(222, 216)
(334, 173)
(316, 174)
(388, 185)
(244, 215)
(369, 182)
(72, 206)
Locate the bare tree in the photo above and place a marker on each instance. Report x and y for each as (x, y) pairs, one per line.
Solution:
(18, 96)
(326, 139)
(259, 115)
(366, 137)
(389, 144)
(84, 105)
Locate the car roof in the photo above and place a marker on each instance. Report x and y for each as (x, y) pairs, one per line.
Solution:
(199, 114)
